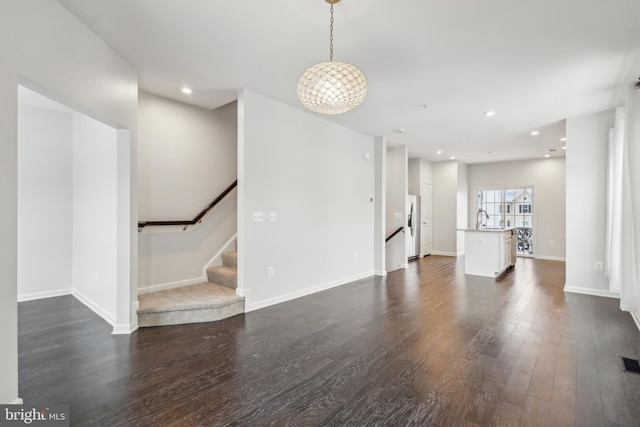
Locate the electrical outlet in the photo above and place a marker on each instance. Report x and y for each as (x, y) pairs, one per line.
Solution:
(597, 266)
(355, 255)
(273, 217)
(271, 272)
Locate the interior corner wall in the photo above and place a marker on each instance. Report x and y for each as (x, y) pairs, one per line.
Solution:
(84, 70)
(315, 177)
(547, 176)
(44, 191)
(379, 256)
(462, 206)
(396, 207)
(445, 215)
(586, 171)
(187, 157)
(95, 197)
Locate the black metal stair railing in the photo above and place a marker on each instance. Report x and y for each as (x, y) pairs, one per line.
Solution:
(198, 218)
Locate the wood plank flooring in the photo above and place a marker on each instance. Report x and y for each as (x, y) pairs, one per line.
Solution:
(425, 346)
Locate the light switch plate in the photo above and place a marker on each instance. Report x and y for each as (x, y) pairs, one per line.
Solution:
(258, 217)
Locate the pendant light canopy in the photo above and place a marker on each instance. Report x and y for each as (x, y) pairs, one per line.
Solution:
(332, 87)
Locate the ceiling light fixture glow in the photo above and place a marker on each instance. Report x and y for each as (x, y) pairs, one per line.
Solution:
(489, 113)
(439, 152)
(547, 155)
(187, 90)
(332, 87)
(535, 132)
(564, 147)
(563, 139)
(452, 158)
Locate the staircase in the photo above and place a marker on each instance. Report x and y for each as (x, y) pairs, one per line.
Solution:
(204, 302)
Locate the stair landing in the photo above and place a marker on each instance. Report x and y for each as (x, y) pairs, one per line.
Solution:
(204, 302)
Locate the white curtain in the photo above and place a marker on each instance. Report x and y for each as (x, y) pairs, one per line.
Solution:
(613, 248)
(630, 230)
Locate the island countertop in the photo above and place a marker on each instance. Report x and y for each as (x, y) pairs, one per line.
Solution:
(487, 230)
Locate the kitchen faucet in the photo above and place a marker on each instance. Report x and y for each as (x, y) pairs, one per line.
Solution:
(479, 216)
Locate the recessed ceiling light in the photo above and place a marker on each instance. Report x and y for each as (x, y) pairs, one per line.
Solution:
(489, 113)
(452, 158)
(439, 152)
(535, 132)
(563, 139)
(547, 155)
(564, 147)
(187, 90)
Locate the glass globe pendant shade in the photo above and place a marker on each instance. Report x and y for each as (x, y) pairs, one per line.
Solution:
(332, 87)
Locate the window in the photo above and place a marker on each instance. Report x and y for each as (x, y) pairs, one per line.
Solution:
(508, 207)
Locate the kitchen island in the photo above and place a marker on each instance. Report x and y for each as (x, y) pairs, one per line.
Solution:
(489, 251)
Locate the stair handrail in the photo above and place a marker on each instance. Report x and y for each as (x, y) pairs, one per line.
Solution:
(198, 218)
(401, 228)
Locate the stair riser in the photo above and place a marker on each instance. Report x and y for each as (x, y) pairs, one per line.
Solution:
(222, 279)
(230, 260)
(190, 316)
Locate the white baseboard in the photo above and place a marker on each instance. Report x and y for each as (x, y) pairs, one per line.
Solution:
(445, 253)
(17, 401)
(46, 294)
(550, 258)
(591, 291)
(404, 265)
(636, 319)
(94, 307)
(380, 273)
(126, 329)
(172, 285)
(303, 292)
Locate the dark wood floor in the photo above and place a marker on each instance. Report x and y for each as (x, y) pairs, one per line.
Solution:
(423, 346)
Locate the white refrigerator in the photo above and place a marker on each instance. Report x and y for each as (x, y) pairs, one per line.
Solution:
(413, 226)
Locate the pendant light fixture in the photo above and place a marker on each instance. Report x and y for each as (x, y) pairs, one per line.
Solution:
(332, 87)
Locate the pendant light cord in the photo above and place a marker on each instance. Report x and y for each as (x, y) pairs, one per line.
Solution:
(331, 36)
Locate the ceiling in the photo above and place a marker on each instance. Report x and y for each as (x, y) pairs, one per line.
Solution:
(433, 67)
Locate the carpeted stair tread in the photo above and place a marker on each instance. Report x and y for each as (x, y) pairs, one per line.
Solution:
(230, 259)
(224, 276)
(193, 297)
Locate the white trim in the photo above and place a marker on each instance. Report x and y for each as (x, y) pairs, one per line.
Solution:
(171, 285)
(123, 329)
(303, 292)
(45, 294)
(550, 258)
(636, 318)
(445, 253)
(94, 307)
(218, 254)
(380, 273)
(591, 291)
(404, 265)
(17, 401)
(126, 329)
(243, 292)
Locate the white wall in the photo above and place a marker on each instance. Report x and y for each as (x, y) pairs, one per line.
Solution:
(445, 214)
(95, 215)
(45, 182)
(187, 157)
(547, 177)
(587, 140)
(462, 205)
(62, 56)
(379, 233)
(396, 206)
(312, 174)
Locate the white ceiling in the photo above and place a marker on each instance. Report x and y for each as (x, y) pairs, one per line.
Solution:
(535, 63)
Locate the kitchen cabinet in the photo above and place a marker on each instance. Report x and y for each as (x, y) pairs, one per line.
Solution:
(489, 252)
